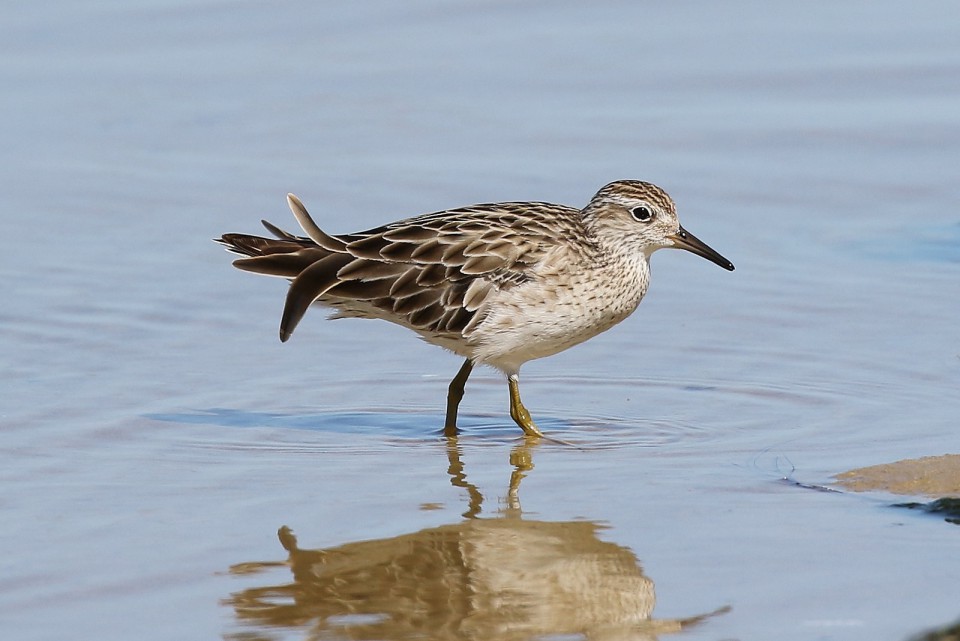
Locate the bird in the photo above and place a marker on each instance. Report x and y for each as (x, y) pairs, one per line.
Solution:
(498, 284)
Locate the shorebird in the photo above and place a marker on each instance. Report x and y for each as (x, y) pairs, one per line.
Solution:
(499, 284)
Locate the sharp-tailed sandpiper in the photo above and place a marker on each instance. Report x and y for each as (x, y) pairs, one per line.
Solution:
(499, 284)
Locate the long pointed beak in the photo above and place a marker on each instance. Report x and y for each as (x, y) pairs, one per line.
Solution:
(685, 240)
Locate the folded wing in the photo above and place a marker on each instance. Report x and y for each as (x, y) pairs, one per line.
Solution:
(432, 273)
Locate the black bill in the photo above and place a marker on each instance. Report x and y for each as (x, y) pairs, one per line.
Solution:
(685, 240)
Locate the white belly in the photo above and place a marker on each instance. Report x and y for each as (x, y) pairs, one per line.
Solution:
(535, 319)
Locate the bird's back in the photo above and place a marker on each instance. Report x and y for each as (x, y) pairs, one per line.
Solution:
(433, 273)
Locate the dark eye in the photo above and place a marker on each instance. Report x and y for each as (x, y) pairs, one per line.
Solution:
(642, 213)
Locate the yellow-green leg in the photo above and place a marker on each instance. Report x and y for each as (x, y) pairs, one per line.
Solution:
(454, 396)
(518, 412)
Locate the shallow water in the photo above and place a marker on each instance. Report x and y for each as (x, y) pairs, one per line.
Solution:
(155, 435)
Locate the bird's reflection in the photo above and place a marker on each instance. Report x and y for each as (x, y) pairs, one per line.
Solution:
(501, 578)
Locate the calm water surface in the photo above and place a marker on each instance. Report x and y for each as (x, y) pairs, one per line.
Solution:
(155, 436)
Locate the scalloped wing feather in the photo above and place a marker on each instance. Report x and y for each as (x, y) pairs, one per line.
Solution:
(432, 273)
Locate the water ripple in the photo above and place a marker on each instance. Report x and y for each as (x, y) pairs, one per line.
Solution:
(369, 430)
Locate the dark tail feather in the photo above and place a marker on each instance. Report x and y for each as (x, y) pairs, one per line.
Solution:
(284, 257)
(286, 265)
(311, 228)
(312, 263)
(247, 245)
(279, 233)
(312, 283)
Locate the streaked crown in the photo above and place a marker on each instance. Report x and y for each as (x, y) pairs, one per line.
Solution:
(630, 192)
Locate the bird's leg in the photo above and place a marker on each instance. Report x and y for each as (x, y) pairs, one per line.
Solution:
(454, 396)
(518, 412)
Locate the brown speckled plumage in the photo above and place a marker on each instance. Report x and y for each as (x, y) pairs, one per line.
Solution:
(499, 284)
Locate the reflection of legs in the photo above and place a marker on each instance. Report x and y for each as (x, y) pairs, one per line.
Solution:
(454, 396)
(521, 458)
(518, 412)
(458, 478)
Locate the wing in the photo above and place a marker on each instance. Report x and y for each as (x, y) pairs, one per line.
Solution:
(435, 272)
(432, 273)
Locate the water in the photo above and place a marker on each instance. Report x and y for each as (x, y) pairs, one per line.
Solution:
(155, 435)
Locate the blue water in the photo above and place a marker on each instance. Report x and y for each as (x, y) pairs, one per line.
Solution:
(154, 433)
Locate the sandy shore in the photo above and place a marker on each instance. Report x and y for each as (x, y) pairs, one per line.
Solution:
(931, 476)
